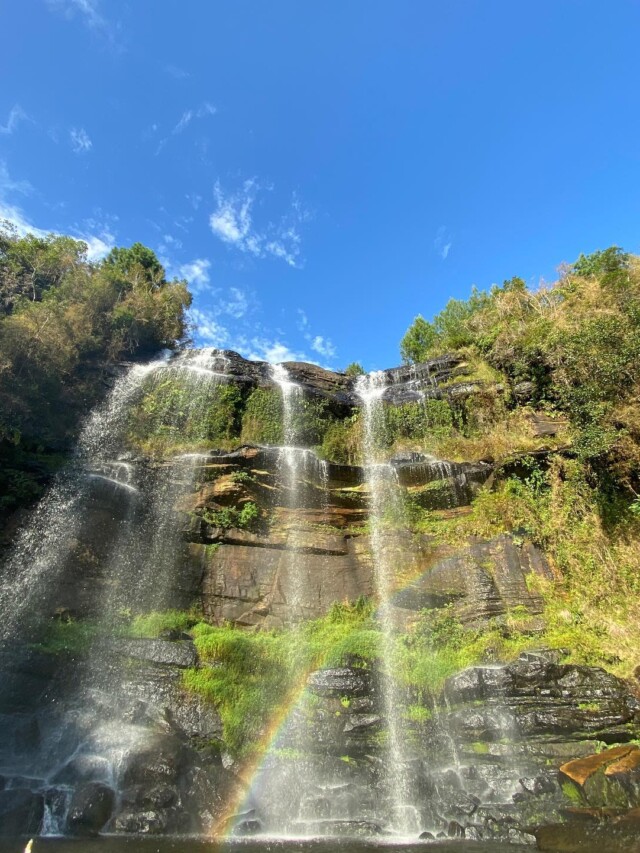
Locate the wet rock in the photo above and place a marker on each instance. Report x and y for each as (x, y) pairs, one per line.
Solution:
(539, 785)
(83, 768)
(180, 654)
(606, 779)
(250, 826)
(340, 681)
(427, 836)
(159, 762)
(524, 391)
(90, 809)
(357, 722)
(21, 812)
(150, 822)
(455, 830)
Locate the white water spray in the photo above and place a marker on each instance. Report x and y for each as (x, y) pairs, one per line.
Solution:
(384, 500)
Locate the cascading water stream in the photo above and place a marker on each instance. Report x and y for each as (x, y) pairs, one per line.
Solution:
(292, 460)
(88, 721)
(384, 500)
(38, 556)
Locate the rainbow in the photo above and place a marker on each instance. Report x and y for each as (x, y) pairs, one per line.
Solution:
(223, 827)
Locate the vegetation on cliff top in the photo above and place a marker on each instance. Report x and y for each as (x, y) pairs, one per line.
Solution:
(64, 322)
(577, 346)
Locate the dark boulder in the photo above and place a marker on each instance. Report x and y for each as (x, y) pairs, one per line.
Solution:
(90, 809)
(156, 763)
(340, 681)
(169, 653)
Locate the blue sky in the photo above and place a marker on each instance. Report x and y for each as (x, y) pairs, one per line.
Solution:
(321, 172)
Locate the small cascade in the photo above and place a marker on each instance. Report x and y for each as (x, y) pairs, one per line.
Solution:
(97, 720)
(384, 501)
(292, 463)
(39, 555)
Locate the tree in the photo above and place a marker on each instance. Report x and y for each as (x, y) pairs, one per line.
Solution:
(31, 265)
(419, 339)
(354, 369)
(136, 265)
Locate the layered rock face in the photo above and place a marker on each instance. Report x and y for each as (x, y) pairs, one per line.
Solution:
(263, 538)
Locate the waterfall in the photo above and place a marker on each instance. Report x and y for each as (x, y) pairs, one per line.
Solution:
(291, 463)
(39, 554)
(384, 500)
(97, 717)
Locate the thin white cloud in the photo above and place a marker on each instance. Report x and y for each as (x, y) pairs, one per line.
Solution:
(273, 351)
(236, 305)
(98, 245)
(443, 242)
(205, 109)
(176, 72)
(232, 222)
(196, 273)
(318, 343)
(16, 115)
(208, 329)
(80, 141)
(89, 13)
(323, 346)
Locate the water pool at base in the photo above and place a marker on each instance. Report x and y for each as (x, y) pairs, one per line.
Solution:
(559, 839)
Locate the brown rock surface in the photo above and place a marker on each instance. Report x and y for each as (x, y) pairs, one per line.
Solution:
(582, 769)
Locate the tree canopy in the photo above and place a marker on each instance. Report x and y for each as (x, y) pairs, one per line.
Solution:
(63, 322)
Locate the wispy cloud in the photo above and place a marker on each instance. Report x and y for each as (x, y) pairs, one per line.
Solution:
(232, 222)
(320, 344)
(89, 13)
(323, 346)
(187, 116)
(176, 72)
(16, 115)
(209, 331)
(273, 351)
(98, 244)
(196, 273)
(80, 141)
(236, 304)
(443, 242)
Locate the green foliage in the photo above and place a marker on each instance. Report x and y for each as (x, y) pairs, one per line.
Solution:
(151, 625)
(578, 342)
(342, 440)
(263, 416)
(64, 322)
(354, 369)
(245, 517)
(73, 636)
(418, 341)
(178, 409)
(242, 477)
(602, 262)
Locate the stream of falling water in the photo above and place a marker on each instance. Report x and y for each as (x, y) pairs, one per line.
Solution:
(291, 466)
(42, 546)
(136, 569)
(384, 500)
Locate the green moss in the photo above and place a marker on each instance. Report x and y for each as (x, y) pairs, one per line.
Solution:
(573, 793)
(480, 747)
(68, 637)
(417, 714)
(177, 412)
(262, 417)
(153, 624)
